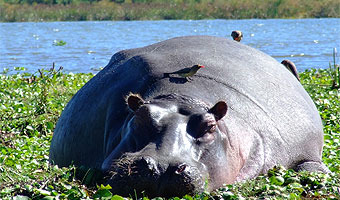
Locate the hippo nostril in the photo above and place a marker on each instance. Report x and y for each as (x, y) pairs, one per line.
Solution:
(181, 168)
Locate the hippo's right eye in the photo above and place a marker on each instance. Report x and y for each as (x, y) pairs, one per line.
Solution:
(201, 125)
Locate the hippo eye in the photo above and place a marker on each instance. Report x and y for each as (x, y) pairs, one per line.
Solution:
(211, 128)
(207, 136)
(200, 125)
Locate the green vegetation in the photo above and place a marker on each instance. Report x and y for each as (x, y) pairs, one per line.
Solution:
(30, 105)
(59, 43)
(76, 10)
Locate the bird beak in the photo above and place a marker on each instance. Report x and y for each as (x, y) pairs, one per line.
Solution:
(201, 66)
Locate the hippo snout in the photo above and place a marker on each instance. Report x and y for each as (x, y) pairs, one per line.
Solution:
(154, 178)
(150, 165)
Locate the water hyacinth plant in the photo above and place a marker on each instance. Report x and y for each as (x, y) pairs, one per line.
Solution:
(59, 43)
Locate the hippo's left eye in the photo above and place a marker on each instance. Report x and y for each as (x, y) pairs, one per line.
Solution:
(207, 136)
(201, 126)
(211, 128)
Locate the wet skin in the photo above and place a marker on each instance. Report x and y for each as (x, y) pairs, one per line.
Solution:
(188, 133)
(233, 121)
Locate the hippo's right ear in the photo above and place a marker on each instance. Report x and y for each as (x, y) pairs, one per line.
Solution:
(219, 110)
(134, 101)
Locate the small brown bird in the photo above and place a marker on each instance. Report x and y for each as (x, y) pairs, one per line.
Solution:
(237, 35)
(291, 67)
(187, 72)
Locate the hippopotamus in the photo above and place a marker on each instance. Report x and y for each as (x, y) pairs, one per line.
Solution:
(239, 116)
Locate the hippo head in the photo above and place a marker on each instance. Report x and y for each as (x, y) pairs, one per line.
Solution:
(170, 146)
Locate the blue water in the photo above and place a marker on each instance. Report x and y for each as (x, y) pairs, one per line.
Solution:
(90, 45)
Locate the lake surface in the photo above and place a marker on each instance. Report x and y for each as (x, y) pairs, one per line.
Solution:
(90, 45)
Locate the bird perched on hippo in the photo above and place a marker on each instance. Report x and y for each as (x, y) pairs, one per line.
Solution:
(233, 121)
(186, 72)
(237, 35)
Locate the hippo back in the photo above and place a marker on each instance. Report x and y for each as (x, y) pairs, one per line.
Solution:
(267, 106)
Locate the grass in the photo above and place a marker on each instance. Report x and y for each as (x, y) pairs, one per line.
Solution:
(30, 105)
(10, 11)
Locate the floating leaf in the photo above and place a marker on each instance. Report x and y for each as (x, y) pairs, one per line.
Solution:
(103, 194)
(42, 192)
(117, 197)
(102, 187)
(59, 43)
(276, 180)
(20, 197)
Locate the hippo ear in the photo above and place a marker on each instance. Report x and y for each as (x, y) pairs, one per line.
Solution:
(219, 110)
(134, 101)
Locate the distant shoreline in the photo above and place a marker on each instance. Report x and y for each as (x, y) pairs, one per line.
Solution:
(163, 10)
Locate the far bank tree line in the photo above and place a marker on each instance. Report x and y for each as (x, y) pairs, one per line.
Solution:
(65, 2)
(94, 10)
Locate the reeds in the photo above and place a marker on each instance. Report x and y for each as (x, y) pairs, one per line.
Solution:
(334, 71)
(161, 9)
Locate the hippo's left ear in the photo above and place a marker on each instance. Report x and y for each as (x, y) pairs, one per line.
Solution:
(219, 110)
(134, 101)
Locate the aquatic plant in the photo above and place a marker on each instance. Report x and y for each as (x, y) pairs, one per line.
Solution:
(59, 43)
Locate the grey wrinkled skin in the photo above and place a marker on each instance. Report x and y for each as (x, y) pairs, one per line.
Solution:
(176, 138)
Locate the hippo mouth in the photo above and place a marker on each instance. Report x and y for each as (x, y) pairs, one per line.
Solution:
(145, 177)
